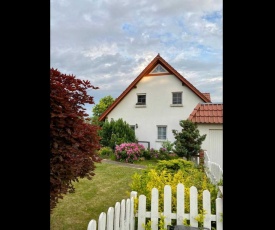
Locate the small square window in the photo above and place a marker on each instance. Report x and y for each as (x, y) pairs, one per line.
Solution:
(162, 132)
(141, 99)
(177, 98)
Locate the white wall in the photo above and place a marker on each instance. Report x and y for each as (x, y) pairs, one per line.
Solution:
(213, 142)
(158, 111)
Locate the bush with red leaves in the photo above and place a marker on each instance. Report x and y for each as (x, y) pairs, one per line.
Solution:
(73, 141)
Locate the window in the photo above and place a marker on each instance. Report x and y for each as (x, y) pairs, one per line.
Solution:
(133, 127)
(141, 99)
(159, 69)
(162, 132)
(177, 98)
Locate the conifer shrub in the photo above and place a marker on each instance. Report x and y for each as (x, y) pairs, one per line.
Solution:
(114, 133)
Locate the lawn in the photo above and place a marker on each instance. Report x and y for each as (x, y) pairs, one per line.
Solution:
(111, 184)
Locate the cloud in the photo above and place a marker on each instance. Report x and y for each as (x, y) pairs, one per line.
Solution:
(109, 42)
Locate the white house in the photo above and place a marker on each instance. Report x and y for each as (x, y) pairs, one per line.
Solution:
(155, 102)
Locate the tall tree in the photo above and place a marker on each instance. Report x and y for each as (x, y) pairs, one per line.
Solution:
(73, 141)
(98, 109)
(103, 104)
(188, 141)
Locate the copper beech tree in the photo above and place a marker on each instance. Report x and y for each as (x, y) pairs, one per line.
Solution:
(73, 141)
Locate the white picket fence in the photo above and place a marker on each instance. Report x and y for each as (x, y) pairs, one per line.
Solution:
(122, 217)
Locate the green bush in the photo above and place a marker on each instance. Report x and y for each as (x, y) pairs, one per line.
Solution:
(175, 164)
(115, 133)
(161, 154)
(168, 145)
(172, 172)
(106, 152)
(150, 154)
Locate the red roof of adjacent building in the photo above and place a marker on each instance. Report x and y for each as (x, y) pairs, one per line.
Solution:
(208, 113)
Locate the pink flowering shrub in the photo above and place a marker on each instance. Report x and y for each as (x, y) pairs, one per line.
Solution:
(129, 152)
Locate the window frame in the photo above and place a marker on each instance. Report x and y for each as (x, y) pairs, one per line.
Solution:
(160, 135)
(176, 98)
(141, 102)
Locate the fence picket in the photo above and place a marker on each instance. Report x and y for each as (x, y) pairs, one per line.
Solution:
(132, 212)
(110, 219)
(206, 205)
(122, 215)
(167, 205)
(180, 204)
(219, 213)
(193, 206)
(102, 221)
(117, 216)
(154, 209)
(127, 215)
(141, 211)
(92, 225)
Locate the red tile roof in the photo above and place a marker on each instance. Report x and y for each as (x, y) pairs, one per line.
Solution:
(157, 60)
(208, 113)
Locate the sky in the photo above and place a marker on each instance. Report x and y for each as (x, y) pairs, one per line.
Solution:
(110, 42)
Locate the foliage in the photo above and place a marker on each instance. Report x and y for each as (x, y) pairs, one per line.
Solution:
(161, 224)
(148, 225)
(161, 154)
(105, 152)
(150, 154)
(168, 145)
(177, 171)
(103, 104)
(115, 133)
(164, 154)
(188, 141)
(73, 141)
(129, 152)
(200, 218)
(175, 165)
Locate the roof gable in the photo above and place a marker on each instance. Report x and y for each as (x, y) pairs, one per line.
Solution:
(208, 113)
(157, 66)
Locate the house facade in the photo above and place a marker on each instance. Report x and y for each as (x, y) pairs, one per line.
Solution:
(155, 102)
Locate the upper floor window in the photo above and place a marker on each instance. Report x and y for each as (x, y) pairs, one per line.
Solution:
(177, 98)
(141, 99)
(159, 69)
(162, 132)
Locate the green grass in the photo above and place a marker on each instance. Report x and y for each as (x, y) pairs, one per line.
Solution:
(110, 184)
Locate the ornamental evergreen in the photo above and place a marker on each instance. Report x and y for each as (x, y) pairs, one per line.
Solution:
(188, 141)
